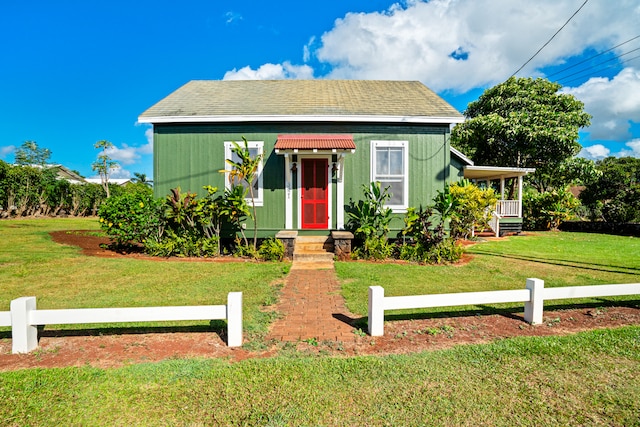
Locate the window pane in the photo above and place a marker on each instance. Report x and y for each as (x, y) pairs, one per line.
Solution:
(382, 161)
(396, 161)
(396, 190)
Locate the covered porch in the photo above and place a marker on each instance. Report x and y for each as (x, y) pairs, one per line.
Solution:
(508, 183)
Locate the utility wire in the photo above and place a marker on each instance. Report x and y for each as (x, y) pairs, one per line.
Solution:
(626, 61)
(590, 58)
(552, 37)
(588, 70)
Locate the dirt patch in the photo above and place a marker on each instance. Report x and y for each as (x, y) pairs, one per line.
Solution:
(105, 348)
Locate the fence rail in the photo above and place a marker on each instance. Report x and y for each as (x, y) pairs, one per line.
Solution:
(533, 296)
(24, 318)
(508, 208)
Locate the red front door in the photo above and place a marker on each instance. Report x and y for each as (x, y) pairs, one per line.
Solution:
(315, 198)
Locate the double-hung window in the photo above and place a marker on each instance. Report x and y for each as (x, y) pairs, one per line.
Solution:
(389, 167)
(256, 148)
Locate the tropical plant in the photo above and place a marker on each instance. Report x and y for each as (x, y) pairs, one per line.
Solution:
(132, 218)
(245, 170)
(271, 250)
(546, 211)
(473, 208)
(369, 220)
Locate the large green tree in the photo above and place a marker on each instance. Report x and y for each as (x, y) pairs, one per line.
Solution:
(104, 165)
(523, 122)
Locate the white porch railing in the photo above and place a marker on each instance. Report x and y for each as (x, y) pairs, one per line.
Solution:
(24, 318)
(508, 208)
(533, 296)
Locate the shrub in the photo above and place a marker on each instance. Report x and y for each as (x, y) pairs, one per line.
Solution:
(271, 250)
(369, 221)
(473, 208)
(131, 217)
(546, 211)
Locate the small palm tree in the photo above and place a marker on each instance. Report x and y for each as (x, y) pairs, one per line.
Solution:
(141, 178)
(245, 170)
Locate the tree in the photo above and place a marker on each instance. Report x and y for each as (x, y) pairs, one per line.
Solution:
(522, 122)
(30, 154)
(573, 171)
(104, 165)
(141, 178)
(245, 170)
(615, 195)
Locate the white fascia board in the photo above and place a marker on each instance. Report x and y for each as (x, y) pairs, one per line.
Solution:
(461, 156)
(300, 118)
(490, 172)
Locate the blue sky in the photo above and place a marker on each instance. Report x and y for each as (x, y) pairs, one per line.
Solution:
(75, 72)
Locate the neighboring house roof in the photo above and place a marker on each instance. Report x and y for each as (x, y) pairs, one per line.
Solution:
(302, 100)
(118, 181)
(62, 172)
(315, 142)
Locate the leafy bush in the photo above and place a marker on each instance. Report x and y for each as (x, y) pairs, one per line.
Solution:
(545, 211)
(185, 245)
(271, 250)
(473, 208)
(132, 217)
(369, 221)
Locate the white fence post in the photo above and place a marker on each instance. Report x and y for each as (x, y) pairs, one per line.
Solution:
(376, 311)
(534, 307)
(234, 319)
(24, 336)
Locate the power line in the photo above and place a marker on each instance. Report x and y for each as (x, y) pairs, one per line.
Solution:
(552, 37)
(626, 61)
(592, 57)
(588, 70)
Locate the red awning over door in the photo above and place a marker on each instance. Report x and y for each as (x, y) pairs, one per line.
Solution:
(315, 142)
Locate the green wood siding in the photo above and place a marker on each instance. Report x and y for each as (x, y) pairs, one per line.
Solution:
(191, 155)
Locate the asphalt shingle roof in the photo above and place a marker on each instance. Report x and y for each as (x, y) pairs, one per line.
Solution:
(313, 98)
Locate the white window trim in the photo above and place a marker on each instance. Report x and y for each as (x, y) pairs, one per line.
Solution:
(405, 159)
(228, 145)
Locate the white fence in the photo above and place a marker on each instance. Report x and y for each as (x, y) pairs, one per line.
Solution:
(533, 296)
(24, 318)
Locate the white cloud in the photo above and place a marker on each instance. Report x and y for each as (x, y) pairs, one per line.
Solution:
(462, 44)
(148, 147)
(271, 72)
(6, 150)
(458, 45)
(634, 151)
(594, 152)
(119, 173)
(612, 102)
(125, 155)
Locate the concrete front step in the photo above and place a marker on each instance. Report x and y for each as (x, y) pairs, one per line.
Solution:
(313, 256)
(313, 249)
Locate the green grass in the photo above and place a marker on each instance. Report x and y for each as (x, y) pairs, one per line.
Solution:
(591, 378)
(560, 259)
(31, 264)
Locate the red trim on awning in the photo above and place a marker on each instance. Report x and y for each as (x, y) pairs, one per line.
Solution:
(315, 142)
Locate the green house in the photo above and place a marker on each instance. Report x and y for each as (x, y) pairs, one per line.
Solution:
(321, 141)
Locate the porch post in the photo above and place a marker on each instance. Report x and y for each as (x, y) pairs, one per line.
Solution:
(340, 193)
(288, 202)
(502, 188)
(520, 196)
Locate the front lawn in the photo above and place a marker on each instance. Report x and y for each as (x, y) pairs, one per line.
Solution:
(592, 378)
(560, 259)
(61, 277)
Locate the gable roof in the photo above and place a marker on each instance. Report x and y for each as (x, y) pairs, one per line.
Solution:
(302, 100)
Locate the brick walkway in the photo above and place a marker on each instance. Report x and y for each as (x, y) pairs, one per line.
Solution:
(311, 306)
